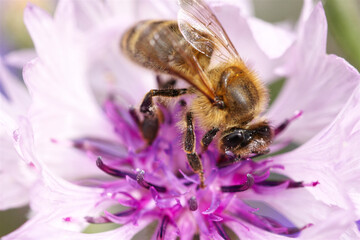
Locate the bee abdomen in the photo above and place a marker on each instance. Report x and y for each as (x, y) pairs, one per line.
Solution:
(147, 44)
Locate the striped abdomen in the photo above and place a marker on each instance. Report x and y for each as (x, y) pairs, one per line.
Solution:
(160, 46)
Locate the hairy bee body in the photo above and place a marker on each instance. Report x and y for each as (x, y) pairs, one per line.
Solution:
(229, 98)
(148, 44)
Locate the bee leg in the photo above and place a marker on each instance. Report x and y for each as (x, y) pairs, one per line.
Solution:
(147, 103)
(207, 138)
(169, 84)
(148, 126)
(189, 147)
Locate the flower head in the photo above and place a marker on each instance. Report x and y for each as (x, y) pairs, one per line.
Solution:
(117, 178)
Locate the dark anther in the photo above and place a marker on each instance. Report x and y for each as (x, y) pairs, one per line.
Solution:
(162, 229)
(286, 123)
(112, 171)
(193, 205)
(292, 184)
(281, 127)
(241, 187)
(141, 181)
(122, 174)
(221, 231)
(103, 219)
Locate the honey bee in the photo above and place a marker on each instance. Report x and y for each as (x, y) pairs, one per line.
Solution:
(229, 97)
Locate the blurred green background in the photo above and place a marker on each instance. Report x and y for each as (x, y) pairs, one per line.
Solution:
(343, 40)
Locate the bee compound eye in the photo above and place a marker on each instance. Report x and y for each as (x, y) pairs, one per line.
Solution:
(235, 139)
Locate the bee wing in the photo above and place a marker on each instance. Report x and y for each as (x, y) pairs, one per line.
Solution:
(200, 80)
(203, 31)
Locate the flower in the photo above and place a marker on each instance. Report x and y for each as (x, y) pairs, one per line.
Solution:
(14, 101)
(77, 142)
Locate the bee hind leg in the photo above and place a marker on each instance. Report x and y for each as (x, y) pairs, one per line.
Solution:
(189, 147)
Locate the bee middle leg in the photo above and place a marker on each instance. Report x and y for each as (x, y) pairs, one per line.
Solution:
(165, 84)
(189, 147)
(147, 104)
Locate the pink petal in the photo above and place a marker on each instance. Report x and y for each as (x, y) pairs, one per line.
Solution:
(42, 227)
(333, 158)
(318, 84)
(250, 39)
(19, 58)
(16, 100)
(252, 232)
(54, 105)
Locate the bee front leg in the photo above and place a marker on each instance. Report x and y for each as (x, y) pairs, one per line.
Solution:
(189, 147)
(208, 138)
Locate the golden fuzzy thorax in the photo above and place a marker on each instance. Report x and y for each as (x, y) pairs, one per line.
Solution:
(244, 96)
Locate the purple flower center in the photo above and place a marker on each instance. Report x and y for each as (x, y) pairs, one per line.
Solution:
(155, 181)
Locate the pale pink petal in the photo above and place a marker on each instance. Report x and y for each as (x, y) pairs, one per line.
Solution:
(318, 84)
(351, 233)
(331, 158)
(54, 105)
(39, 228)
(316, 211)
(80, 16)
(19, 58)
(14, 179)
(246, 6)
(272, 39)
(16, 176)
(252, 38)
(62, 208)
(17, 99)
(251, 232)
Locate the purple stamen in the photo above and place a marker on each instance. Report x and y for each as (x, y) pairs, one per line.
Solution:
(221, 231)
(358, 224)
(241, 187)
(98, 220)
(141, 181)
(162, 230)
(291, 184)
(100, 147)
(103, 219)
(122, 174)
(285, 124)
(112, 171)
(278, 225)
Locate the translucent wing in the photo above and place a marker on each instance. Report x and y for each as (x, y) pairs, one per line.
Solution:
(203, 31)
(160, 46)
(200, 79)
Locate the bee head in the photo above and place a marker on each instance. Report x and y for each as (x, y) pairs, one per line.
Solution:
(255, 139)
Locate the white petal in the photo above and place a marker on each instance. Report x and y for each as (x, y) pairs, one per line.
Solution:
(318, 84)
